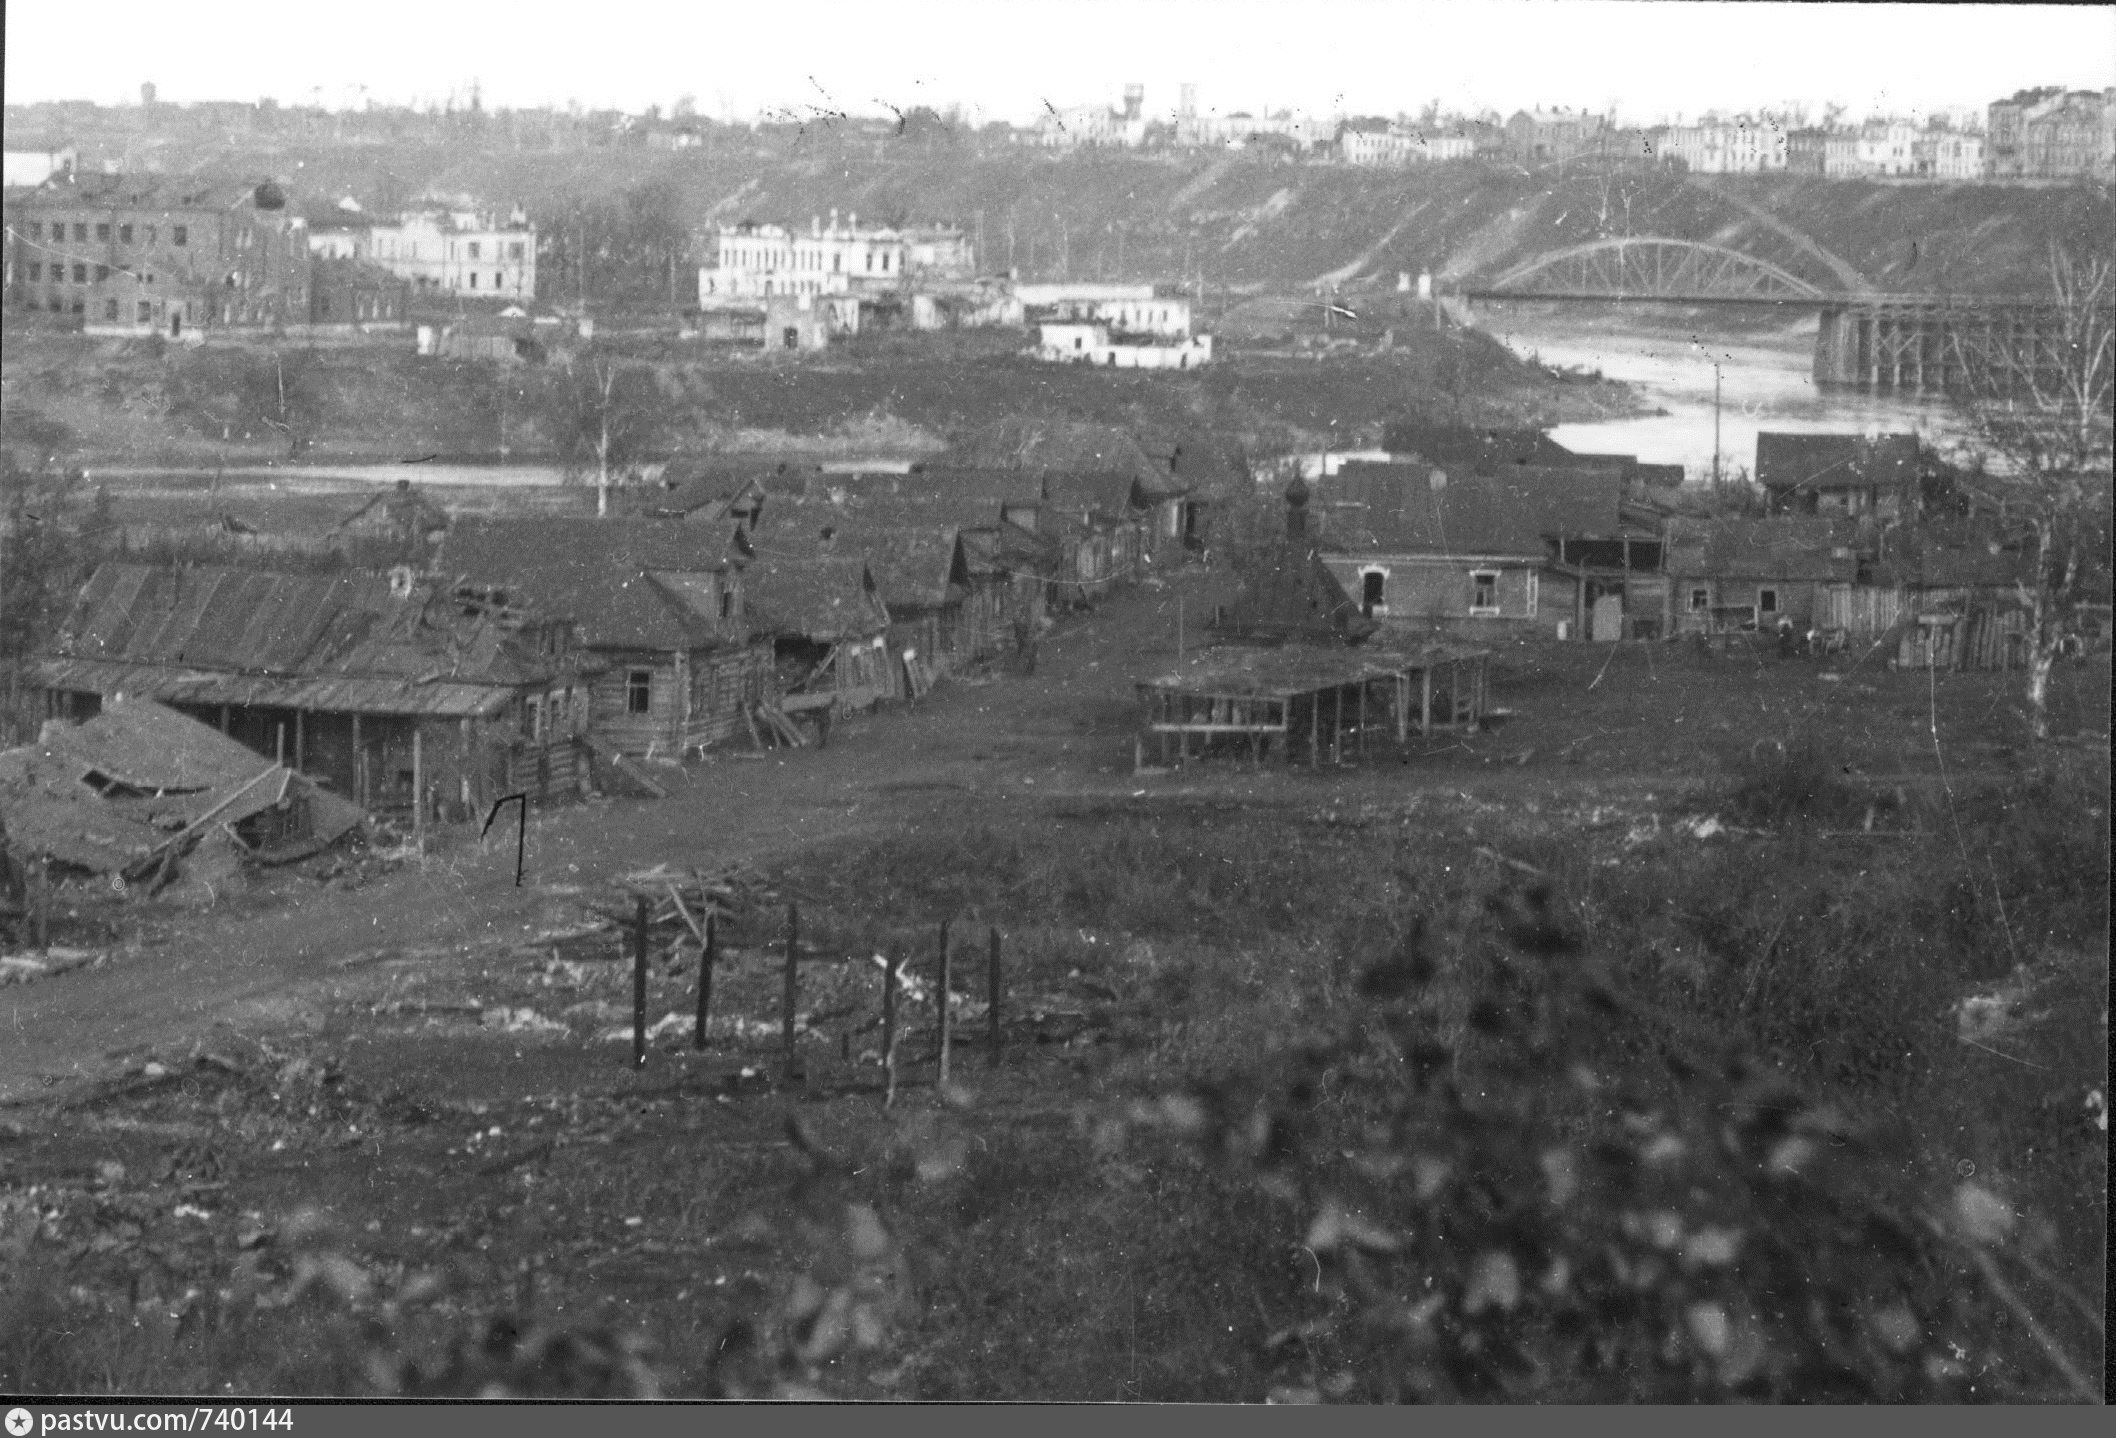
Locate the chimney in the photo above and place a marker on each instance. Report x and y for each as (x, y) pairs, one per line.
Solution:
(1297, 509)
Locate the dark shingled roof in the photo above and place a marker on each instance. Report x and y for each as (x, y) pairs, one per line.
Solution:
(1809, 463)
(1056, 446)
(911, 551)
(1790, 547)
(211, 634)
(825, 598)
(594, 572)
(1466, 446)
(1394, 509)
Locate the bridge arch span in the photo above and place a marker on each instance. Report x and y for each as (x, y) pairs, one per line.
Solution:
(1650, 267)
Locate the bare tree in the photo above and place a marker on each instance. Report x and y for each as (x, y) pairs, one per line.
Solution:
(2039, 415)
(607, 415)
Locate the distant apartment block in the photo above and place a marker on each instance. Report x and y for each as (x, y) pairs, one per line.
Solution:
(455, 251)
(758, 261)
(1889, 148)
(1740, 147)
(1093, 126)
(2052, 134)
(1241, 130)
(1540, 136)
(1365, 145)
(1097, 344)
(1956, 155)
(1127, 311)
(138, 254)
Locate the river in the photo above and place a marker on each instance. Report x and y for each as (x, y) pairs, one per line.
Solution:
(1765, 382)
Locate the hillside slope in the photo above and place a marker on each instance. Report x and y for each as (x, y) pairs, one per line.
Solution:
(1252, 225)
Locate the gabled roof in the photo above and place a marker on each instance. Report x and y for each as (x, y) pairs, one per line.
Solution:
(1816, 462)
(1287, 592)
(212, 634)
(1395, 509)
(594, 572)
(1467, 446)
(825, 598)
(914, 555)
(1199, 461)
(401, 510)
(1788, 547)
(692, 483)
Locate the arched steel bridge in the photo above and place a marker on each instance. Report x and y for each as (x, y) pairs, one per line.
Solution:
(1656, 269)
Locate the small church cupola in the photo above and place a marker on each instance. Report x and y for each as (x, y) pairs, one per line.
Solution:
(1297, 508)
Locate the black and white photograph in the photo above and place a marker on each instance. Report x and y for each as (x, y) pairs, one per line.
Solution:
(1179, 702)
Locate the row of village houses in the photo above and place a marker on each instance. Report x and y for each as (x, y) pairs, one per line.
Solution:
(462, 660)
(452, 661)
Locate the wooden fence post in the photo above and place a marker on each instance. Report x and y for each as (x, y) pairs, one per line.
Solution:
(40, 901)
(639, 985)
(940, 999)
(706, 957)
(992, 997)
(889, 1030)
(790, 994)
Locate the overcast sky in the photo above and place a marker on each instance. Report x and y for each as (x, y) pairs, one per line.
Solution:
(1006, 59)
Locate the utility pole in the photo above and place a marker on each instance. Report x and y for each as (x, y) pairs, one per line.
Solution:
(1715, 425)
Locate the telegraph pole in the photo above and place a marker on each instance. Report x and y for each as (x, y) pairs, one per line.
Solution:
(1715, 425)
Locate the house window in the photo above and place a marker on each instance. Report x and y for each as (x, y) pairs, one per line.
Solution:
(639, 691)
(102, 273)
(1535, 592)
(1372, 586)
(179, 234)
(36, 270)
(80, 274)
(146, 312)
(532, 718)
(103, 233)
(1700, 600)
(514, 251)
(473, 279)
(124, 234)
(473, 249)
(110, 309)
(1484, 591)
(80, 232)
(1767, 601)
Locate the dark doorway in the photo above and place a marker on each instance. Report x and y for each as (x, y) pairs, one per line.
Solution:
(1370, 591)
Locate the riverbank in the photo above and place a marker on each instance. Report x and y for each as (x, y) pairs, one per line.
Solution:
(1710, 383)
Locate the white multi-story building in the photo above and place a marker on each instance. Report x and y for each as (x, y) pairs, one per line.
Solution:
(1236, 130)
(1743, 147)
(752, 261)
(1888, 147)
(1956, 155)
(1094, 344)
(1378, 147)
(457, 252)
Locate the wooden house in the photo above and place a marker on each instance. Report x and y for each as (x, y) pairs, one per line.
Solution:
(660, 605)
(827, 625)
(385, 689)
(1841, 474)
(1523, 549)
(1733, 575)
(400, 525)
(1285, 591)
(1944, 594)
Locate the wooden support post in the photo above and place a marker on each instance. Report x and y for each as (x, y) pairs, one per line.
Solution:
(1425, 700)
(708, 954)
(279, 744)
(940, 1002)
(40, 901)
(418, 788)
(1403, 706)
(889, 1030)
(301, 742)
(359, 759)
(1360, 718)
(789, 993)
(639, 985)
(1315, 730)
(992, 999)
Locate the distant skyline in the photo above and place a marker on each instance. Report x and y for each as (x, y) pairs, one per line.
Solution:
(1648, 60)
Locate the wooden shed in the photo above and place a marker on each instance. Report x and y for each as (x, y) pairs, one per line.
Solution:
(1309, 702)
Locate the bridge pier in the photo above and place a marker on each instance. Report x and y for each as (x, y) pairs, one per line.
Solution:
(1905, 344)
